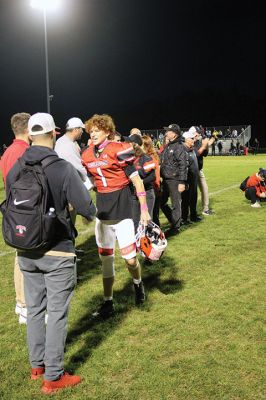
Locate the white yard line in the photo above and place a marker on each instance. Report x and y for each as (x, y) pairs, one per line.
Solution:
(224, 189)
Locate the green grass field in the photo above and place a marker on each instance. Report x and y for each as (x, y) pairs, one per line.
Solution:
(199, 336)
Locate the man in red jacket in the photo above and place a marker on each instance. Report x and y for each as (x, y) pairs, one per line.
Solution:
(256, 188)
(19, 125)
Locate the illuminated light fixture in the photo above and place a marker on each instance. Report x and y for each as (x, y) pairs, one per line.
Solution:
(46, 4)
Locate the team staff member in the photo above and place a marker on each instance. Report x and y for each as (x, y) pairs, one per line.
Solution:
(49, 276)
(174, 169)
(111, 165)
(19, 125)
(256, 188)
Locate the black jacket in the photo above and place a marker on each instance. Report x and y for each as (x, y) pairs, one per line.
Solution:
(174, 162)
(65, 187)
(193, 167)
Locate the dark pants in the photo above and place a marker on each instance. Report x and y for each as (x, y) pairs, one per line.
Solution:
(189, 199)
(170, 189)
(250, 194)
(150, 198)
(156, 208)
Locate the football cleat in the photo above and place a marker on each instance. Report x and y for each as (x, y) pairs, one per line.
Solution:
(150, 241)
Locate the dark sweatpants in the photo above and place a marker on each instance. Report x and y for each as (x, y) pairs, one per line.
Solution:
(250, 194)
(189, 199)
(170, 189)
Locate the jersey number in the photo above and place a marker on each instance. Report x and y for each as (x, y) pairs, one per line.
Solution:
(100, 172)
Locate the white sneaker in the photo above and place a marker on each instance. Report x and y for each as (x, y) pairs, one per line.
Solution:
(18, 309)
(23, 316)
(255, 205)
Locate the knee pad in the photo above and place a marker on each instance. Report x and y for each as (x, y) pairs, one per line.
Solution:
(133, 267)
(108, 268)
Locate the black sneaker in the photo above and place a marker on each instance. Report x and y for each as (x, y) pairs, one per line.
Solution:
(196, 219)
(171, 232)
(139, 293)
(185, 222)
(106, 310)
(79, 252)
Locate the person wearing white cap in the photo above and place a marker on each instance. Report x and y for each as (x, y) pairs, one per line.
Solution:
(68, 148)
(49, 274)
(201, 147)
(190, 195)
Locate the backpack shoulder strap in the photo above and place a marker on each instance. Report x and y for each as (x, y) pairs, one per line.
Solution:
(49, 160)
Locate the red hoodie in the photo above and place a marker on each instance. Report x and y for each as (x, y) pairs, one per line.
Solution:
(254, 181)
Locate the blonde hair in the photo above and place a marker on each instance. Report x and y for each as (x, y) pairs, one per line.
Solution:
(103, 122)
(148, 146)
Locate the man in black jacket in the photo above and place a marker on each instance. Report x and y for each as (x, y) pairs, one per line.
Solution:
(174, 169)
(49, 276)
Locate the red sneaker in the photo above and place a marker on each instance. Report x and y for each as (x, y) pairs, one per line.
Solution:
(37, 373)
(64, 381)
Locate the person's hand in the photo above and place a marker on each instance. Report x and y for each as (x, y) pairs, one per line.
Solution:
(263, 195)
(211, 140)
(181, 187)
(145, 217)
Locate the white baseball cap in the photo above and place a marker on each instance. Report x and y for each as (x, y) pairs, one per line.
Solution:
(188, 135)
(41, 123)
(73, 123)
(192, 129)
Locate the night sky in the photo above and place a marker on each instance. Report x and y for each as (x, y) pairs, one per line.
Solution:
(146, 63)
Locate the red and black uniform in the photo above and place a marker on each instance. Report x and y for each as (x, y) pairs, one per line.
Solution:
(146, 170)
(111, 166)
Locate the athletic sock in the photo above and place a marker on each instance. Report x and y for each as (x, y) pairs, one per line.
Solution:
(137, 281)
(108, 298)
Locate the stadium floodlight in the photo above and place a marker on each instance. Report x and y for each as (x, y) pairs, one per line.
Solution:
(46, 5)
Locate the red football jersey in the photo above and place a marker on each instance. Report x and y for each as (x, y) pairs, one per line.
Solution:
(108, 167)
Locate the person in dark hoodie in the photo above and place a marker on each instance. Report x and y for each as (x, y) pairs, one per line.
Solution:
(174, 169)
(145, 166)
(49, 276)
(190, 195)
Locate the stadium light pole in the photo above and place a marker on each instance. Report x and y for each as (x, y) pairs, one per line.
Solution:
(44, 6)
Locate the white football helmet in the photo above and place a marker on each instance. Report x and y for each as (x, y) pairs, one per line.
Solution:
(150, 241)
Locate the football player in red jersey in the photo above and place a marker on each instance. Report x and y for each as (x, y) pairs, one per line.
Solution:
(111, 166)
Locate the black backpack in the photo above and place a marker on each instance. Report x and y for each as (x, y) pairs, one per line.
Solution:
(243, 185)
(29, 217)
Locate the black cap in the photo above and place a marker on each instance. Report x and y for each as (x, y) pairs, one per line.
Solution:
(262, 172)
(174, 128)
(133, 139)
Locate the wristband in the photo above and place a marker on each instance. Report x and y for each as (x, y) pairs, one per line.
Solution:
(143, 207)
(139, 194)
